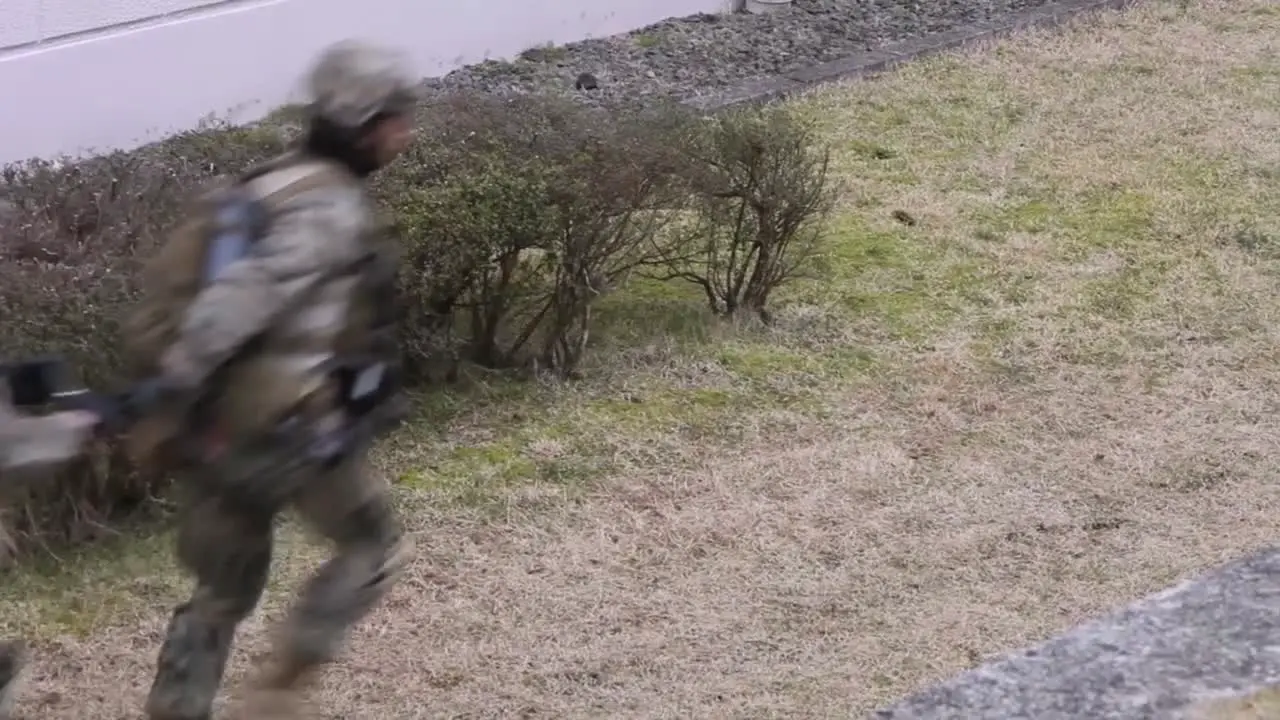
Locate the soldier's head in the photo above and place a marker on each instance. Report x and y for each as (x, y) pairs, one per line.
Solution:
(362, 101)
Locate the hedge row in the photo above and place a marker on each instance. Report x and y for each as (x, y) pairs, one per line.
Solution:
(515, 214)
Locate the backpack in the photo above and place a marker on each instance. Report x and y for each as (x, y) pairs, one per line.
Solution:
(217, 228)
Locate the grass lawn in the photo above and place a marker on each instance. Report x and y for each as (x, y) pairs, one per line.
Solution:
(1039, 379)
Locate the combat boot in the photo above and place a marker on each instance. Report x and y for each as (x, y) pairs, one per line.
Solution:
(264, 703)
(190, 666)
(277, 691)
(13, 659)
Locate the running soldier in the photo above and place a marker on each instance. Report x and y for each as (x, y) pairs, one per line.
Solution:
(257, 365)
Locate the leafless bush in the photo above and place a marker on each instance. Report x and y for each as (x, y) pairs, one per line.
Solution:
(762, 194)
(518, 213)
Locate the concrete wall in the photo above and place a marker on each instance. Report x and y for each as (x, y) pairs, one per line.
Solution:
(84, 75)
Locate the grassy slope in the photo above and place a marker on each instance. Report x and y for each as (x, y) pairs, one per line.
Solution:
(1094, 223)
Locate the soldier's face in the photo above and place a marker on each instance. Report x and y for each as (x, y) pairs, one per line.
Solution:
(392, 136)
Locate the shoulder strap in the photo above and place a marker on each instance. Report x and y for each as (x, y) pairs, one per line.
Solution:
(277, 183)
(257, 196)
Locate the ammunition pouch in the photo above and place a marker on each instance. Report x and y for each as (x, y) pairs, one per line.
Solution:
(365, 410)
(267, 471)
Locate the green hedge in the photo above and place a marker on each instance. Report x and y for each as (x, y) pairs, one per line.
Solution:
(515, 213)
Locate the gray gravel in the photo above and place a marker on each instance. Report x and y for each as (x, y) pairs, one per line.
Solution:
(681, 57)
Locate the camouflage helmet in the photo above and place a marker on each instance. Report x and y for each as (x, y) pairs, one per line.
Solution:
(355, 81)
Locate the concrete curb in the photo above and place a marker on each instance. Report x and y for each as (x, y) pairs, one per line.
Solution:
(1179, 654)
(873, 62)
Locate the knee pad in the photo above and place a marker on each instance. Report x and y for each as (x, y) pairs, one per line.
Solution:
(394, 560)
(345, 590)
(376, 569)
(371, 523)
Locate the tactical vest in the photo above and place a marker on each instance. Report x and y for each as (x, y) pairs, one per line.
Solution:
(285, 371)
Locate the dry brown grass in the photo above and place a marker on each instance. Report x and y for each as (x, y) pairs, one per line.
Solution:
(1054, 393)
(1261, 705)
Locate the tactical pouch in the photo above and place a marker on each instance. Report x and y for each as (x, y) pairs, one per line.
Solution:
(265, 471)
(364, 391)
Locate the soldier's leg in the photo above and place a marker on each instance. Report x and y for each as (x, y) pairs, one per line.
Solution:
(227, 547)
(350, 506)
(12, 661)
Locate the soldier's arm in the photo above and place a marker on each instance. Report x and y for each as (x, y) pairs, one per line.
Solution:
(313, 235)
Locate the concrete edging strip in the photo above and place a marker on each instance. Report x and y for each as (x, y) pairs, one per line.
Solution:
(1175, 654)
(872, 62)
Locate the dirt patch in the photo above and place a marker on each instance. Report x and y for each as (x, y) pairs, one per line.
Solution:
(1051, 392)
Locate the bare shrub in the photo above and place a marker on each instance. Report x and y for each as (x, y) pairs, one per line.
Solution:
(467, 200)
(618, 187)
(517, 213)
(761, 196)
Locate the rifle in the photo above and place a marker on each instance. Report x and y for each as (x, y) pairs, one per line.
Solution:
(48, 382)
(365, 389)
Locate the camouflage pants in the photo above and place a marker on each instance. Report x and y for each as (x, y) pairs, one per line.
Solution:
(227, 542)
(12, 660)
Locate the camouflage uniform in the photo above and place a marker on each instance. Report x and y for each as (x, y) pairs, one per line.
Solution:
(29, 445)
(12, 660)
(292, 297)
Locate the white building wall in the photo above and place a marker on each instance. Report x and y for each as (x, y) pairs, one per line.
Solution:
(78, 76)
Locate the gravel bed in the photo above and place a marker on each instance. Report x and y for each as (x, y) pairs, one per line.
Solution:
(681, 57)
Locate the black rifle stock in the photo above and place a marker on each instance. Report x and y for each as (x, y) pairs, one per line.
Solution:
(48, 382)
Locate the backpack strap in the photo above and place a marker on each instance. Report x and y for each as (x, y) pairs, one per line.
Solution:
(275, 184)
(243, 214)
